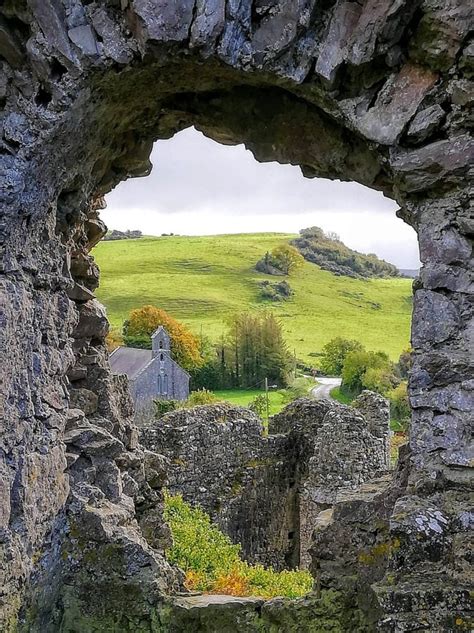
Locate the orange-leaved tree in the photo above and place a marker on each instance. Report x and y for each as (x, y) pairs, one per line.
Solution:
(141, 324)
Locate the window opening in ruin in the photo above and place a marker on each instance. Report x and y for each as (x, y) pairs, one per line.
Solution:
(216, 224)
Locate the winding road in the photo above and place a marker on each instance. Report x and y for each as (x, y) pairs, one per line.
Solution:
(324, 386)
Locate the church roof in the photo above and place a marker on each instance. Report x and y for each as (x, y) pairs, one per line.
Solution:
(129, 360)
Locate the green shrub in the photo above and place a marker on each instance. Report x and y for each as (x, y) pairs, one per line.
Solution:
(199, 397)
(163, 406)
(287, 258)
(280, 291)
(367, 370)
(259, 404)
(400, 412)
(334, 354)
(403, 365)
(212, 562)
(196, 398)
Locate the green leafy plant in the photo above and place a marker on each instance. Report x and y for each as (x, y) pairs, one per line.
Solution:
(212, 563)
(368, 370)
(259, 404)
(163, 406)
(200, 397)
(399, 406)
(334, 354)
(287, 258)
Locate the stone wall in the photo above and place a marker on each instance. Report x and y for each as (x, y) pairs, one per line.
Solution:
(266, 491)
(221, 461)
(375, 92)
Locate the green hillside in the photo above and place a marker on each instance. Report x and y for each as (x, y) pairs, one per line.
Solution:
(204, 280)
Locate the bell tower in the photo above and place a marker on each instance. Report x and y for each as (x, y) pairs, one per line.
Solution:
(160, 342)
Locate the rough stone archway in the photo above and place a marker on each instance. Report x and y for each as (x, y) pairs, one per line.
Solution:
(371, 91)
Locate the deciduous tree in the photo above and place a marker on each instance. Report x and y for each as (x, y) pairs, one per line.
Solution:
(141, 324)
(335, 352)
(287, 258)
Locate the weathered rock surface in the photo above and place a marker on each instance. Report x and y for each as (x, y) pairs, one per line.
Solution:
(85, 89)
(225, 614)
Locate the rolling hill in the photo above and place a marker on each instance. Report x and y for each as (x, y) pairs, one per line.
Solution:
(204, 280)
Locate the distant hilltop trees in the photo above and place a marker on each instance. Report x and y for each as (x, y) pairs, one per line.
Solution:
(282, 260)
(327, 251)
(114, 234)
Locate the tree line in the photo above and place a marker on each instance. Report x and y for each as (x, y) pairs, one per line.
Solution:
(362, 369)
(252, 349)
(330, 253)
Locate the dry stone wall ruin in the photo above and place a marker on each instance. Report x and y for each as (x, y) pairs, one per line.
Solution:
(266, 491)
(372, 91)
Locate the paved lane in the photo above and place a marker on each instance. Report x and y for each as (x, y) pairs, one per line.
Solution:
(324, 387)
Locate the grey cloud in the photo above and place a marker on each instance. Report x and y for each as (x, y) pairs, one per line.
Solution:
(200, 187)
(192, 171)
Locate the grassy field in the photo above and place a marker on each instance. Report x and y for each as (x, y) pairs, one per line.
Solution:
(243, 397)
(204, 280)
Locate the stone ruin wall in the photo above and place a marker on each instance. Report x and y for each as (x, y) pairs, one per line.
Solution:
(266, 491)
(375, 92)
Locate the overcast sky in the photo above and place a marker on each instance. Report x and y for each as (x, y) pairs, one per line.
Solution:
(198, 187)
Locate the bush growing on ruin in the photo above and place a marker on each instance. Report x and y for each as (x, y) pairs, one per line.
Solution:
(200, 397)
(143, 321)
(399, 405)
(163, 406)
(212, 563)
(196, 398)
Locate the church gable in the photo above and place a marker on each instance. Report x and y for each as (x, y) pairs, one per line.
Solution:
(153, 374)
